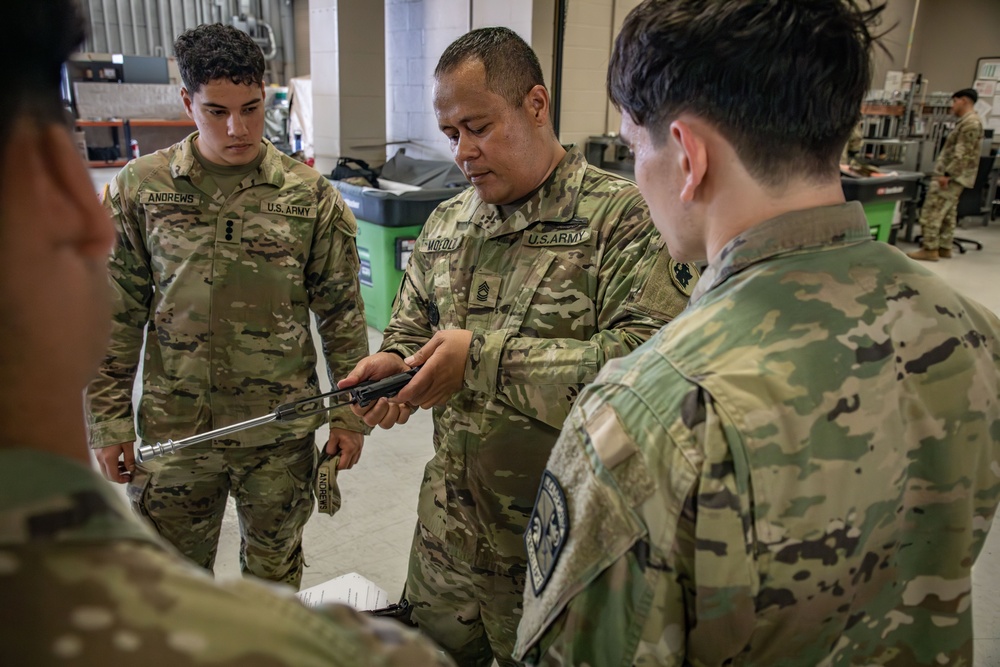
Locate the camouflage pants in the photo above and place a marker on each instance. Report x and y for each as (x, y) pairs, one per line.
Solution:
(470, 612)
(939, 215)
(183, 495)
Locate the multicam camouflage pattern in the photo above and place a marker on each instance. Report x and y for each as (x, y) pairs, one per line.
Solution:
(184, 495)
(800, 470)
(550, 294)
(959, 157)
(85, 584)
(939, 215)
(226, 285)
(473, 630)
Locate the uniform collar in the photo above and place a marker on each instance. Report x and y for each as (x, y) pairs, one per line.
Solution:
(790, 233)
(555, 201)
(184, 164)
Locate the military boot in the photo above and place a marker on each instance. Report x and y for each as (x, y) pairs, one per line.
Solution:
(924, 255)
(944, 253)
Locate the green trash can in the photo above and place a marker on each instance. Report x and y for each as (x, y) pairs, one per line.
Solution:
(880, 196)
(388, 225)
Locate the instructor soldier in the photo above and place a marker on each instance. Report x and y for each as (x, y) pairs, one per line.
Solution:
(224, 247)
(519, 291)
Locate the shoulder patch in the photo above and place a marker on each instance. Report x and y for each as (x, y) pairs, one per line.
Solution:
(548, 528)
(684, 276)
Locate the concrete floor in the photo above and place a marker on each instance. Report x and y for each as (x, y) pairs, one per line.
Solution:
(371, 534)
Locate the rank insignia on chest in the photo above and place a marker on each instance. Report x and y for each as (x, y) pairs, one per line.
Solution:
(433, 314)
(485, 290)
(548, 528)
(684, 276)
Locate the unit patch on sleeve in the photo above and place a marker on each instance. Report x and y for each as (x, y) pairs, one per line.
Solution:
(684, 276)
(548, 528)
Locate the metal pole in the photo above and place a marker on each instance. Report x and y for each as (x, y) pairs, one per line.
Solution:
(165, 39)
(107, 26)
(287, 18)
(149, 26)
(121, 27)
(558, 64)
(909, 42)
(135, 29)
(91, 37)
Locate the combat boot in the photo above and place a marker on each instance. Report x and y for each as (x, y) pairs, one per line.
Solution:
(944, 253)
(924, 255)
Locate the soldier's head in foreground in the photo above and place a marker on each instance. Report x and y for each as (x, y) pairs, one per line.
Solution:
(223, 73)
(491, 102)
(758, 93)
(54, 240)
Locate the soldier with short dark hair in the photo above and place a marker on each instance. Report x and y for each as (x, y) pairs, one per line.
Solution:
(225, 246)
(84, 581)
(802, 468)
(520, 289)
(955, 169)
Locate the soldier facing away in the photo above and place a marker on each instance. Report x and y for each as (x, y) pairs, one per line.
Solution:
(83, 581)
(520, 289)
(224, 247)
(802, 468)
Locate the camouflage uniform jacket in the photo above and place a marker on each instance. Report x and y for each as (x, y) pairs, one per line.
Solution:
(86, 584)
(550, 294)
(959, 157)
(799, 470)
(226, 286)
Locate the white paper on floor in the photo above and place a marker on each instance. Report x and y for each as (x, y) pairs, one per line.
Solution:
(352, 589)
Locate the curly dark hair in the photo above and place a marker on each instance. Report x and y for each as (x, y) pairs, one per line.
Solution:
(211, 52)
(36, 38)
(512, 68)
(782, 80)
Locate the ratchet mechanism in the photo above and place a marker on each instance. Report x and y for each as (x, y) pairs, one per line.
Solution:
(363, 394)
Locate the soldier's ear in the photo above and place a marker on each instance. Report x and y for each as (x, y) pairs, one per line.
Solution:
(537, 104)
(188, 102)
(691, 153)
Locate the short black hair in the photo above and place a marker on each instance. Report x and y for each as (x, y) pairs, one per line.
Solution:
(971, 93)
(512, 68)
(782, 80)
(36, 38)
(216, 51)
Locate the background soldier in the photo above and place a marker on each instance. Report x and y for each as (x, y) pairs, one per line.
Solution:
(224, 246)
(83, 582)
(519, 290)
(954, 170)
(802, 468)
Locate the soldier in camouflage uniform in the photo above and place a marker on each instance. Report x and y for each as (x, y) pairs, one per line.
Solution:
(954, 170)
(224, 247)
(802, 468)
(519, 290)
(83, 581)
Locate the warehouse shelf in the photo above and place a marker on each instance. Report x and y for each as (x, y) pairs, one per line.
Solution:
(126, 125)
